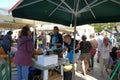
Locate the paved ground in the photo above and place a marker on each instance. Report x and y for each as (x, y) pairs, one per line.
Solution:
(93, 74)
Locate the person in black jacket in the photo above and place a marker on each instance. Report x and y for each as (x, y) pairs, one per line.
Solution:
(7, 42)
(113, 55)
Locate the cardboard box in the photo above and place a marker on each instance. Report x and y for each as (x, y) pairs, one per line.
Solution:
(47, 60)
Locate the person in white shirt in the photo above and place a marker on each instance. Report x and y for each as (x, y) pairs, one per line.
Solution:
(103, 54)
(99, 39)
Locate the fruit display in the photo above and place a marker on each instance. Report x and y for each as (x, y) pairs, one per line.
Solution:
(38, 52)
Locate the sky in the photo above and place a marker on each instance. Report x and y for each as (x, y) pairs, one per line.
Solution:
(5, 5)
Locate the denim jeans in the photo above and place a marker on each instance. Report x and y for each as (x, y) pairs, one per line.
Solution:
(22, 72)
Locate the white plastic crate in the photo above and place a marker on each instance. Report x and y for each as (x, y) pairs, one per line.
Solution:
(47, 60)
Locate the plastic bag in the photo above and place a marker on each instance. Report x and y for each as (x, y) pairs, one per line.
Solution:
(70, 56)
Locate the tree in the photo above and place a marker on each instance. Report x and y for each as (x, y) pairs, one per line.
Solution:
(102, 26)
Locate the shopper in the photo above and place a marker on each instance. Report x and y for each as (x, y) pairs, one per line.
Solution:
(23, 56)
(85, 47)
(104, 54)
(7, 42)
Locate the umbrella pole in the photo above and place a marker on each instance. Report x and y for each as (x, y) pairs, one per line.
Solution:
(73, 67)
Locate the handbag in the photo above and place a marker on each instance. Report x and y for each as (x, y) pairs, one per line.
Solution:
(93, 51)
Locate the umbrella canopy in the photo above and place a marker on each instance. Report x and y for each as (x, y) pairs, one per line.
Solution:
(63, 11)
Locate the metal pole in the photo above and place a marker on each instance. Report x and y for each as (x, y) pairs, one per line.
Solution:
(115, 71)
(75, 20)
(9, 60)
(76, 4)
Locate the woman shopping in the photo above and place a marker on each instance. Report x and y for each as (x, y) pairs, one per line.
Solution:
(23, 56)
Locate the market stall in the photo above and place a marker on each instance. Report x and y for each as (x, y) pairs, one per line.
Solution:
(48, 59)
(60, 62)
(13, 26)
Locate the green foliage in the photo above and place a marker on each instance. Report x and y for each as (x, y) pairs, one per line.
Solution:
(101, 26)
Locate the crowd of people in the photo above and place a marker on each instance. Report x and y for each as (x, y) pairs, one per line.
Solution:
(82, 50)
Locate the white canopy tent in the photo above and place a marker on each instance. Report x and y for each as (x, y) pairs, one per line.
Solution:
(8, 19)
(10, 26)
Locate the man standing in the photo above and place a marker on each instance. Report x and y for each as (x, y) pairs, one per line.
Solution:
(42, 40)
(7, 42)
(56, 39)
(103, 54)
